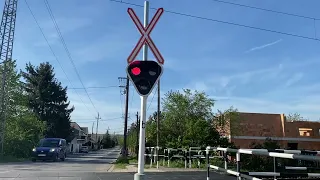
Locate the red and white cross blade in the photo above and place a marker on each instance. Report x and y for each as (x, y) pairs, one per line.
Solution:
(145, 35)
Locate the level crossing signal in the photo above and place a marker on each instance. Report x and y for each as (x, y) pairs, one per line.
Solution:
(144, 75)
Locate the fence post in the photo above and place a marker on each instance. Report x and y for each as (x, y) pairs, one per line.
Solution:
(238, 165)
(185, 158)
(151, 156)
(274, 168)
(190, 161)
(168, 157)
(164, 156)
(157, 156)
(208, 163)
(225, 157)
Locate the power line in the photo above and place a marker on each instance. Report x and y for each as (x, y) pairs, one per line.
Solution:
(121, 104)
(101, 120)
(152, 98)
(96, 87)
(116, 128)
(269, 10)
(53, 53)
(109, 119)
(131, 96)
(67, 50)
(102, 87)
(224, 22)
(121, 81)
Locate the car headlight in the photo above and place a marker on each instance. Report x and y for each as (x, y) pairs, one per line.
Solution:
(34, 149)
(52, 150)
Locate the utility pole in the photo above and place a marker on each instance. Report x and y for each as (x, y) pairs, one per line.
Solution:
(126, 92)
(126, 118)
(92, 130)
(137, 128)
(92, 134)
(158, 123)
(98, 118)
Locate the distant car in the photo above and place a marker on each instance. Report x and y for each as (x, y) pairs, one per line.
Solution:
(50, 149)
(84, 149)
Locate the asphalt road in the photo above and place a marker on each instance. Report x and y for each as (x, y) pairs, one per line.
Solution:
(91, 166)
(97, 161)
(116, 176)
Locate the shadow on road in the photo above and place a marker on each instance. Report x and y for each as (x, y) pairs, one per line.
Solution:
(117, 176)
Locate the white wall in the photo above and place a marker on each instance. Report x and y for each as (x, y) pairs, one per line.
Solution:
(76, 146)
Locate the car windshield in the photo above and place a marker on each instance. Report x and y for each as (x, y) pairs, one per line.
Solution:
(49, 143)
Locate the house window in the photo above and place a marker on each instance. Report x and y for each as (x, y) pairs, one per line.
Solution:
(305, 131)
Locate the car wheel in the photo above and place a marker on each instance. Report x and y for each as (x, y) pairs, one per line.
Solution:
(33, 160)
(63, 158)
(55, 159)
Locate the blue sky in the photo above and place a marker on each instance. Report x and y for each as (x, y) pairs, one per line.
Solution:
(252, 70)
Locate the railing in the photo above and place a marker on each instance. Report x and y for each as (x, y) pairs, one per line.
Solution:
(153, 155)
(195, 153)
(277, 153)
(168, 154)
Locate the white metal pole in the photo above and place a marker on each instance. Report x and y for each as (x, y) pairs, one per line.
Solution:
(145, 24)
(142, 135)
(140, 174)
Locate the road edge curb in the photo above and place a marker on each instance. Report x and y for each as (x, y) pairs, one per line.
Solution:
(110, 169)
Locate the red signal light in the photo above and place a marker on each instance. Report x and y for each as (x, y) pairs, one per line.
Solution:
(136, 71)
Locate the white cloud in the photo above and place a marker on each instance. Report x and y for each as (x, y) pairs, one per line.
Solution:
(306, 107)
(66, 26)
(200, 86)
(107, 47)
(270, 98)
(246, 77)
(263, 46)
(294, 79)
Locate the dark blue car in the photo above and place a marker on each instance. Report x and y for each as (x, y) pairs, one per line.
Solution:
(50, 149)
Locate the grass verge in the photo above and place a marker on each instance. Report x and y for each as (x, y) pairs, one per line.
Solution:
(122, 162)
(8, 159)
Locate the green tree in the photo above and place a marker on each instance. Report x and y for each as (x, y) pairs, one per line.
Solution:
(48, 99)
(227, 121)
(151, 130)
(23, 130)
(295, 117)
(187, 120)
(107, 141)
(132, 138)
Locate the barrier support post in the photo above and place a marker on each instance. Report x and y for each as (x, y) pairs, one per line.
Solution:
(225, 157)
(238, 165)
(208, 163)
(274, 167)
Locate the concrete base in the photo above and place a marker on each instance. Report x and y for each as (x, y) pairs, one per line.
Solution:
(138, 176)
